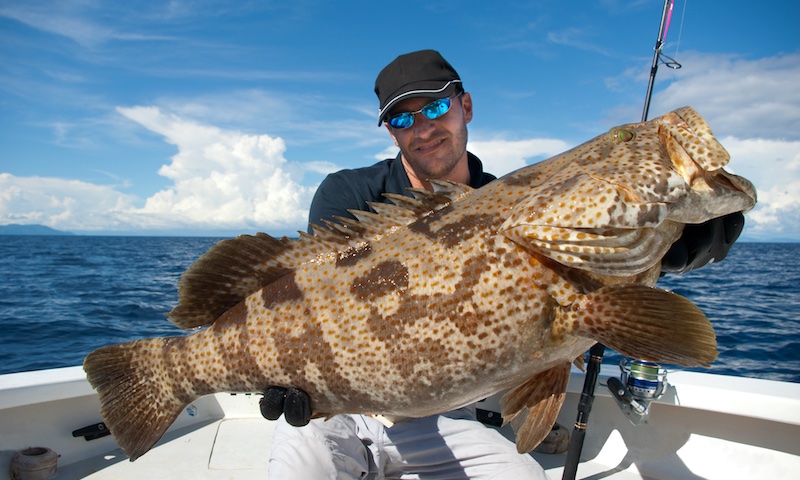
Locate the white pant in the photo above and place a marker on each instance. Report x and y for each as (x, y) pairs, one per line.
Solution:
(448, 446)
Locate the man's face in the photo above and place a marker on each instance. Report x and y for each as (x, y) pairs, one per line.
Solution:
(434, 148)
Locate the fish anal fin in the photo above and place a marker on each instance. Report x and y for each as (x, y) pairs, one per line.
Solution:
(580, 362)
(642, 322)
(135, 404)
(532, 408)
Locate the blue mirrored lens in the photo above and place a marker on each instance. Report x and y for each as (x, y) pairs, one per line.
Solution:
(436, 109)
(404, 120)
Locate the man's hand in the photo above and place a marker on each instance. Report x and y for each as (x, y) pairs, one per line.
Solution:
(703, 244)
(294, 403)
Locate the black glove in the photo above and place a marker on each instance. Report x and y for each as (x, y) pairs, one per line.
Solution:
(294, 403)
(703, 244)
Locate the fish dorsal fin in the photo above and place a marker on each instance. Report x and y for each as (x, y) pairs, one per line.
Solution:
(402, 211)
(235, 268)
(423, 202)
(589, 223)
(223, 276)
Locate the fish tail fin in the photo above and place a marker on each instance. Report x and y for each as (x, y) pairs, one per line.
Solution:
(643, 322)
(137, 399)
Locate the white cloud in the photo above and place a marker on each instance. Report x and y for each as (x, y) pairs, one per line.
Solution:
(389, 152)
(73, 20)
(575, 37)
(57, 22)
(223, 178)
(746, 98)
(322, 167)
(61, 203)
(774, 168)
(502, 156)
(220, 180)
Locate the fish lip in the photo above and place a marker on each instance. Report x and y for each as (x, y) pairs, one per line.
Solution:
(700, 177)
(682, 162)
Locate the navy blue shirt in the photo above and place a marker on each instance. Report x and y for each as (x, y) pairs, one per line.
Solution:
(352, 189)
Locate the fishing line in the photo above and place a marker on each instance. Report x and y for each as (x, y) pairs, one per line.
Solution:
(680, 29)
(677, 44)
(671, 62)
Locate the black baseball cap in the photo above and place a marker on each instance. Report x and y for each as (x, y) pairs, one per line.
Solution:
(424, 73)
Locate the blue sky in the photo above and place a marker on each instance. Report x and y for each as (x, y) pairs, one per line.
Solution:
(221, 117)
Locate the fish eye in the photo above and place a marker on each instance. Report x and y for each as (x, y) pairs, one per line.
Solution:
(622, 136)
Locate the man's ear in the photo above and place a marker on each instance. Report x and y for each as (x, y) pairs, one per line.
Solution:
(466, 105)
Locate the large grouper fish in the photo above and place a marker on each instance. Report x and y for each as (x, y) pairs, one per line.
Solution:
(438, 300)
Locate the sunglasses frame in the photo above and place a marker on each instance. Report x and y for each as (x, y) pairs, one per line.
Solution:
(422, 111)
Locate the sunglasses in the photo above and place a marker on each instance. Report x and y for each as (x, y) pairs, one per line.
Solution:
(433, 110)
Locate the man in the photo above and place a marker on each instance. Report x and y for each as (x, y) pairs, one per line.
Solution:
(426, 111)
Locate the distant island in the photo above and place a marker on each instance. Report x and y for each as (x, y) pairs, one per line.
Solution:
(16, 229)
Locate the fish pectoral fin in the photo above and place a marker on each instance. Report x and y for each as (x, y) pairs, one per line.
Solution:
(532, 408)
(610, 251)
(642, 322)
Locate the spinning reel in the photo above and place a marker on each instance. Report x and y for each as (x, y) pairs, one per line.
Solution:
(639, 384)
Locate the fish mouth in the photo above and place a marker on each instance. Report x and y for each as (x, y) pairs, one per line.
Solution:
(699, 159)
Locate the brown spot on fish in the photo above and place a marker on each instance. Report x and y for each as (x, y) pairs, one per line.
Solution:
(353, 255)
(424, 225)
(465, 228)
(284, 289)
(383, 279)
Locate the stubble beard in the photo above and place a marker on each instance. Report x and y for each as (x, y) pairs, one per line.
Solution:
(444, 162)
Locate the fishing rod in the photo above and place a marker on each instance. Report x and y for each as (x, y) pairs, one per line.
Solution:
(666, 18)
(584, 408)
(596, 352)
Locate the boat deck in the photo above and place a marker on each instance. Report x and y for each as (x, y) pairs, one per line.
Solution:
(705, 426)
(238, 448)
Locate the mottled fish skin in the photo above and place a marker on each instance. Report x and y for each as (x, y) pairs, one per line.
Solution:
(445, 298)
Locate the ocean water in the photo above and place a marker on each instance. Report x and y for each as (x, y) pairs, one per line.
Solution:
(62, 297)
